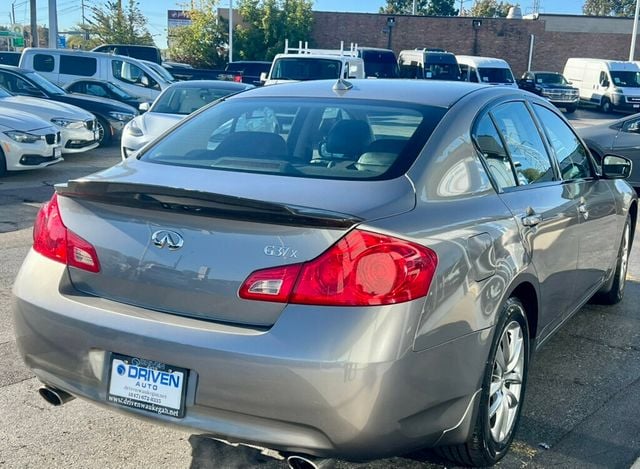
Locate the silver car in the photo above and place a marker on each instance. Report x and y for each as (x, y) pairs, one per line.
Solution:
(76, 126)
(174, 103)
(336, 269)
(27, 142)
(621, 137)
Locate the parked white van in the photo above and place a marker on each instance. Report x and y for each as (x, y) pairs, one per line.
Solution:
(63, 66)
(608, 84)
(302, 64)
(488, 70)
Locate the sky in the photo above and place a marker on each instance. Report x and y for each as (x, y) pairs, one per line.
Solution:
(70, 11)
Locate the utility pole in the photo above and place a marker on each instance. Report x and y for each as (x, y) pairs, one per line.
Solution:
(13, 12)
(53, 24)
(230, 31)
(34, 23)
(632, 50)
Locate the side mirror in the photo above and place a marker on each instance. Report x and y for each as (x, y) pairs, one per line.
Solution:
(144, 107)
(616, 167)
(605, 84)
(263, 76)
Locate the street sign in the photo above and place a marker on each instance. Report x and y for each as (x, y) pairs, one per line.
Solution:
(62, 42)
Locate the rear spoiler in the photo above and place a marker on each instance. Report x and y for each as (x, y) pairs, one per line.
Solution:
(206, 204)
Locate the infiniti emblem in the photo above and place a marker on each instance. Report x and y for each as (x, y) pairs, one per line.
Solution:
(170, 239)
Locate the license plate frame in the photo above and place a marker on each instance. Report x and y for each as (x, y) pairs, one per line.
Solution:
(147, 385)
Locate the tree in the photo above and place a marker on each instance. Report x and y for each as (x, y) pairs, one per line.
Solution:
(490, 9)
(423, 7)
(609, 7)
(112, 23)
(204, 43)
(267, 23)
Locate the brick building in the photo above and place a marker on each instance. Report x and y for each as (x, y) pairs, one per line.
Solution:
(556, 37)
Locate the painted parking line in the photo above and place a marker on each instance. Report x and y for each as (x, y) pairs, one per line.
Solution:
(636, 465)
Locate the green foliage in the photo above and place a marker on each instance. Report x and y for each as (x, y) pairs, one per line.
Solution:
(204, 43)
(609, 7)
(423, 7)
(267, 23)
(490, 9)
(117, 24)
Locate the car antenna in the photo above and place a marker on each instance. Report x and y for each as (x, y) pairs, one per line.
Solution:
(342, 85)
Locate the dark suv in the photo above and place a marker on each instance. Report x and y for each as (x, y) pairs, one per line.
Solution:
(553, 86)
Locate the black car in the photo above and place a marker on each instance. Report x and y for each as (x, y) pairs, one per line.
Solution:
(553, 86)
(250, 69)
(111, 115)
(103, 89)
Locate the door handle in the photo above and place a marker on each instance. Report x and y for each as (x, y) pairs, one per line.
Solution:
(531, 220)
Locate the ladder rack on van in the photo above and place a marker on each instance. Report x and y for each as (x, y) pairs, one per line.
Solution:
(303, 48)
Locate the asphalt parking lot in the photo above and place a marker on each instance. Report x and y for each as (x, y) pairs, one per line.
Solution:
(581, 410)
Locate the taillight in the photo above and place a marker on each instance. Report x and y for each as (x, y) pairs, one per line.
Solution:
(361, 269)
(237, 78)
(54, 240)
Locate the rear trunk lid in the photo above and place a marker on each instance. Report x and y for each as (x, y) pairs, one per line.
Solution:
(187, 251)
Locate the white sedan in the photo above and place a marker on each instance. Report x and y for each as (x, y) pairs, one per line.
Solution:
(76, 126)
(174, 103)
(27, 142)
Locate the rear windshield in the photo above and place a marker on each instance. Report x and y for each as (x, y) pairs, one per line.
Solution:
(495, 75)
(313, 138)
(305, 69)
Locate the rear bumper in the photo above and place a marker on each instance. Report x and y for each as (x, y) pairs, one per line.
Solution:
(322, 381)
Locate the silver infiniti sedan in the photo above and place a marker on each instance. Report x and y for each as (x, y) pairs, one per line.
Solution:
(329, 269)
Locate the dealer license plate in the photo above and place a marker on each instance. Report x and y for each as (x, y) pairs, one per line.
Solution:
(147, 385)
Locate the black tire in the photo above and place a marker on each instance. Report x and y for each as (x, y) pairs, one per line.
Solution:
(613, 291)
(606, 106)
(571, 109)
(3, 164)
(483, 449)
(104, 132)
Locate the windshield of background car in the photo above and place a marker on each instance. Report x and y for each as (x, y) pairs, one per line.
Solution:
(185, 100)
(301, 137)
(305, 69)
(631, 79)
(45, 84)
(442, 71)
(550, 79)
(495, 75)
(380, 64)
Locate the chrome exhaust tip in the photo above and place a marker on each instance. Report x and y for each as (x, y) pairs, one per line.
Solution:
(55, 397)
(306, 462)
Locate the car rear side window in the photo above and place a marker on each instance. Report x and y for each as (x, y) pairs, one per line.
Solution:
(81, 66)
(301, 137)
(523, 142)
(494, 154)
(573, 158)
(43, 63)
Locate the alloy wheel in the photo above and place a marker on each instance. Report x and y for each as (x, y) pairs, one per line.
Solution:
(506, 382)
